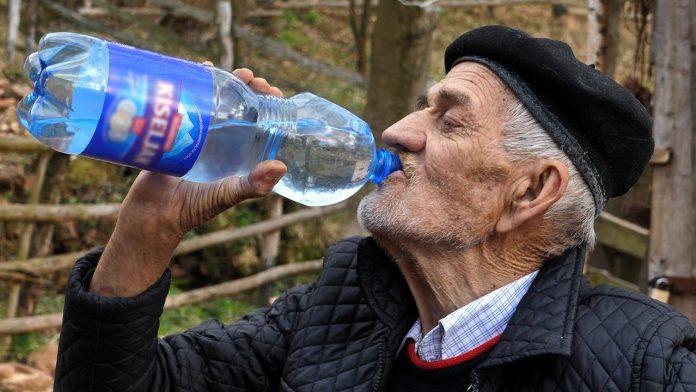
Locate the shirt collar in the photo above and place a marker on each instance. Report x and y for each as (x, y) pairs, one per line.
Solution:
(472, 325)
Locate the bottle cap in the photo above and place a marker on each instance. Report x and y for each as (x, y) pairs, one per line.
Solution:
(384, 164)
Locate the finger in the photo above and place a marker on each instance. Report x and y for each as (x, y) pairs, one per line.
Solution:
(260, 85)
(258, 183)
(244, 74)
(275, 91)
(208, 63)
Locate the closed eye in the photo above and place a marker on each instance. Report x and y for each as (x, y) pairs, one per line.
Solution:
(451, 126)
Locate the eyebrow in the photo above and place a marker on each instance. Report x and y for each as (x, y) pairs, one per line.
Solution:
(445, 96)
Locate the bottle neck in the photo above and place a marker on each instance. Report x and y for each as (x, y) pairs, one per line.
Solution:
(384, 163)
(276, 110)
(278, 119)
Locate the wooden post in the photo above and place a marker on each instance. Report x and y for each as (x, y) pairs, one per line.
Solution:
(24, 246)
(603, 23)
(224, 18)
(56, 172)
(13, 28)
(270, 244)
(673, 216)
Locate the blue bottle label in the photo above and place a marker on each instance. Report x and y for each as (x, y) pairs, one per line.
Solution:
(156, 111)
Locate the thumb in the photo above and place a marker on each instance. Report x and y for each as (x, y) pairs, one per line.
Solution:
(258, 183)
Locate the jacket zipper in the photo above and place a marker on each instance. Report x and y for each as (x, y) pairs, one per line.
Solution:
(381, 366)
(473, 382)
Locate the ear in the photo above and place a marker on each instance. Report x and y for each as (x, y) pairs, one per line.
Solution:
(537, 188)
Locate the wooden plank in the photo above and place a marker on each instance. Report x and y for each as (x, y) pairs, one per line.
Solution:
(622, 235)
(66, 261)
(21, 145)
(57, 213)
(598, 276)
(222, 236)
(439, 3)
(65, 212)
(234, 287)
(53, 321)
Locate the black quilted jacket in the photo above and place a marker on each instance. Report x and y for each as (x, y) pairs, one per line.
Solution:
(343, 332)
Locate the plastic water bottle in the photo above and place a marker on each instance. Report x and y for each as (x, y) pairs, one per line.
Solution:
(137, 108)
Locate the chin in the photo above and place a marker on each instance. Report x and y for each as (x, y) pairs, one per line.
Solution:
(389, 216)
(377, 212)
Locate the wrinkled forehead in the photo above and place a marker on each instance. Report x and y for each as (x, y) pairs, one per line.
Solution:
(476, 83)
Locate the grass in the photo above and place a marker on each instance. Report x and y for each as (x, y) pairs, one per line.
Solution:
(323, 35)
(227, 310)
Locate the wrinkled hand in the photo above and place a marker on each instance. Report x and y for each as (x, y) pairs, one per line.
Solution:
(160, 209)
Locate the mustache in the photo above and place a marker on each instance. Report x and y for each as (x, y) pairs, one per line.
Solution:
(409, 166)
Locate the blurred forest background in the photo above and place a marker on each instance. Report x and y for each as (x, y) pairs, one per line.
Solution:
(371, 57)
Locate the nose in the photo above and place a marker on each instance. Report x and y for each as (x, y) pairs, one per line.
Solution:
(407, 134)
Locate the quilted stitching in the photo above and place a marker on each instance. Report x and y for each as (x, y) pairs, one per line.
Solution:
(342, 333)
(620, 340)
(335, 345)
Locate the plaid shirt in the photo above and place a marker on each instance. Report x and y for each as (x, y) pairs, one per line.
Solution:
(472, 325)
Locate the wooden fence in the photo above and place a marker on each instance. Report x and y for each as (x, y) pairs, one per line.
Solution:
(29, 270)
(23, 269)
(612, 231)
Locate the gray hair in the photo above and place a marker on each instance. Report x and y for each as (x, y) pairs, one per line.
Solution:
(571, 218)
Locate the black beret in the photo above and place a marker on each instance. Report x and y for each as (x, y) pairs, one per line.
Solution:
(601, 126)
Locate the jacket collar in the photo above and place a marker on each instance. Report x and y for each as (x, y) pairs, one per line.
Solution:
(542, 324)
(544, 320)
(385, 290)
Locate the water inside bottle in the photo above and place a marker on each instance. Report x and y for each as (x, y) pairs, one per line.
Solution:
(69, 78)
(325, 164)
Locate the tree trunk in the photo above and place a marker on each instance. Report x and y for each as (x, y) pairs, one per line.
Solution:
(603, 24)
(13, 28)
(360, 27)
(399, 66)
(673, 216)
(224, 15)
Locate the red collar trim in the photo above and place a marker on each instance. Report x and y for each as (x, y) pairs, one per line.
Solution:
(449, 362)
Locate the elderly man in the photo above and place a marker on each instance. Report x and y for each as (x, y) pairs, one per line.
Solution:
(471, 281)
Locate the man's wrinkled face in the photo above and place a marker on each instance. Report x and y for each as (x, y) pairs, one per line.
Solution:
(451, 190)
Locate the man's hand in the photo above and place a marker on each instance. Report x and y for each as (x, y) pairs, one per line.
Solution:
(160, 209)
